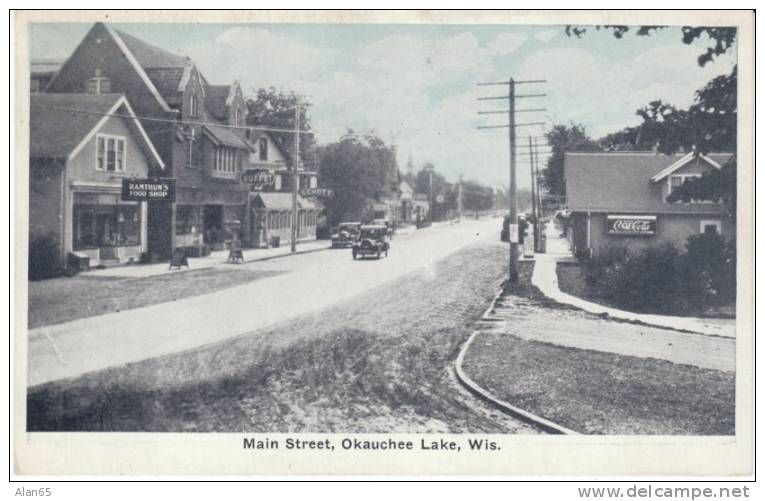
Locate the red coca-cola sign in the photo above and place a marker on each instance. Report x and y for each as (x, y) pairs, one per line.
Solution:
(631, 225)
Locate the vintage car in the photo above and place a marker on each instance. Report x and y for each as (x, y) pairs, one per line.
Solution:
(504, 235)
(345, 235)
(372, 241)
(386, 223)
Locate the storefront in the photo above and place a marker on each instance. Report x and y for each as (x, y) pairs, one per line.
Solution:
(620, 200)
(271, 218)
(104, 228)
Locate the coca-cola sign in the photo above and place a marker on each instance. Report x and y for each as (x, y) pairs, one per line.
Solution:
(631, 225)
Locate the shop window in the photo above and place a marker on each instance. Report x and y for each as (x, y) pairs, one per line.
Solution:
(187, 219)
(110, 153)
(106, 225)
(263, 148)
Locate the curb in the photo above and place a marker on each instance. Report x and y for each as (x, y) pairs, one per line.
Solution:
(279, 256)
(482, 393)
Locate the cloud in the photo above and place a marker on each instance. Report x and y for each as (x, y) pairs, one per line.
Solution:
(546, 35)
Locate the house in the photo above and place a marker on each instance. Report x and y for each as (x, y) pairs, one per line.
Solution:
(81, 146)
(620, 198)
(41, 72)
(199, 131)
(406, 197)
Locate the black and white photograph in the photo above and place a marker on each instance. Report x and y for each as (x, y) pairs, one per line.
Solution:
(317, 240)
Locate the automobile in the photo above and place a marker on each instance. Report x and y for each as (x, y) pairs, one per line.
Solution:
(345, 234)
(372, 241)
(505, 233)
(386, 223)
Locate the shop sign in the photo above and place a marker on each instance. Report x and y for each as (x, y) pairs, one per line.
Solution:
(631, 225)
(317, 192)
(148, 189)
(258, 178)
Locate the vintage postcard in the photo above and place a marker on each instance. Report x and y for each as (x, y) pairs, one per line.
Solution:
(410, 242)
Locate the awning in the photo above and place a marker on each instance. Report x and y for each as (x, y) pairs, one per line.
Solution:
(225, 136)
(282, 201)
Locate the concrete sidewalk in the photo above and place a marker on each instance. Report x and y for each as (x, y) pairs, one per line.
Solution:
(545, 278)
(200, 263)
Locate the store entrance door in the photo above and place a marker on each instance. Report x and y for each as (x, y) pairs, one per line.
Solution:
(213, 226)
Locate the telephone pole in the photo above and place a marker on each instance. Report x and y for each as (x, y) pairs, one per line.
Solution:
(511, 97)
(534, 216)
(459, 200)
(295, 180)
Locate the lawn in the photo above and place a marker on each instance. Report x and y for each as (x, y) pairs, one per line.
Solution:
(64, 299)
(597, 392)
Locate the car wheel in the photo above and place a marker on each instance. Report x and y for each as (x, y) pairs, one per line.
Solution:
(378, 254)
(354, 255)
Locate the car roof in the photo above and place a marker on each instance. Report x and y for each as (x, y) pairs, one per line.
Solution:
(373, 227)
(349, 222)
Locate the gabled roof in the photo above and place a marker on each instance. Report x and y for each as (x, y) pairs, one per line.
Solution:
(690, 157)
(621, 181)
(61, 124)
(150, 56)
(216, 100)
(168, 83)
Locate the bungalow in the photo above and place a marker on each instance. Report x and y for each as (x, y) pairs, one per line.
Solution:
(620, 199)
(81, 146)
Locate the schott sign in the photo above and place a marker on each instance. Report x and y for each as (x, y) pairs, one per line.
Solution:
(631, 225)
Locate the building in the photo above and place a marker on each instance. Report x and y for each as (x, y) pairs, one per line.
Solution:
(620, 199)
(199, 131)
(406, 196)
(41, 73)
(77, 162)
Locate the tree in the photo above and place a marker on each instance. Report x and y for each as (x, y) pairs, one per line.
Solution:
(356, 168)
(275, 108)
(708, 125)
(476, 196)
(562, 138)
(723, 38)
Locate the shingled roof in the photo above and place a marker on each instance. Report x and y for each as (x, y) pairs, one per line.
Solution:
(59, 124)
(54, 132)
(621, 181)
(215, 100)
(150, 56)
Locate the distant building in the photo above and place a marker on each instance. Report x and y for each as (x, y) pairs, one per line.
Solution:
(620, 199)
(77, 161)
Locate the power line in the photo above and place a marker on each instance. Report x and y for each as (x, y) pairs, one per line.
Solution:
(166, 120)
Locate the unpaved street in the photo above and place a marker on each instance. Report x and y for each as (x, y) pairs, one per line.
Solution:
(379, 362)
(304, 283)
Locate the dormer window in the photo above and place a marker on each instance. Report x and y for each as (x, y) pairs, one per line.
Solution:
(263, 148)
(98, 84)
(237, 117)
(193, 106)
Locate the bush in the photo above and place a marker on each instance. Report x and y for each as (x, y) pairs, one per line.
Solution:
(663, 279)
(43, 258)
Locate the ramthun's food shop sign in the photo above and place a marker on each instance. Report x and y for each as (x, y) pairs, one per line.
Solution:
(631, 225)
(149, 189)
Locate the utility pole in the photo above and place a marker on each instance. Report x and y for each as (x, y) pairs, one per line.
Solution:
(459, 200)
(534, 216)
(430, 195)
(295, 179)
(511, 97)
(536, 176)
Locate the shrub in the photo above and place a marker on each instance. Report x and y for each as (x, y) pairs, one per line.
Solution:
(43, 258)
(648, 280)
(710, 269)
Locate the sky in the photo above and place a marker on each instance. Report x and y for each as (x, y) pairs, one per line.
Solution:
(415, 85)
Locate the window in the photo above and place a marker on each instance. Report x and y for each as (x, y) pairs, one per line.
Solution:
(710, 226)
(193, 105)
(677, 180)
(225, 160)
(106, 225)
(192, 160)
(110, 153)
(263, 148)
(237, 117)
(98, 85)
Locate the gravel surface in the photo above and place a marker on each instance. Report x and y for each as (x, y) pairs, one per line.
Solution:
(379, 363)
(64, 299)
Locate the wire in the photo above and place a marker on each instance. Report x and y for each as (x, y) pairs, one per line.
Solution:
(166, 120)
